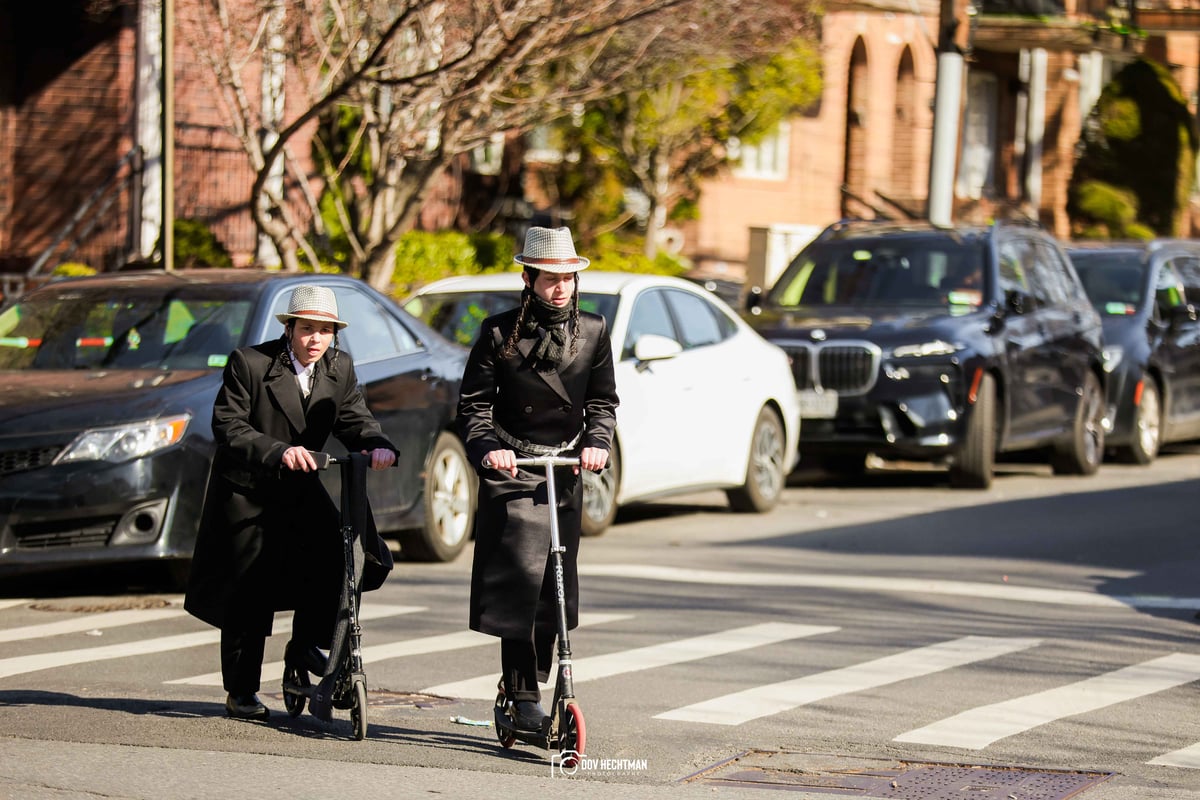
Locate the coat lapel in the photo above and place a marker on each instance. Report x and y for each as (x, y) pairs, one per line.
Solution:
(525, 346)
(281, 383)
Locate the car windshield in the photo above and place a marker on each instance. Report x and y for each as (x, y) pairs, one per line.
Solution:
(929, 273)
(83, 327)
(458, 315)
(1114, 282)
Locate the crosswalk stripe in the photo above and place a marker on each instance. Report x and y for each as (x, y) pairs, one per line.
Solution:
(641, 658)
(89, 622)
(1188, 758)
(867, 583)
(762, 701)
(979, 727)
(20, 665)
(13, 602)
(273, 671)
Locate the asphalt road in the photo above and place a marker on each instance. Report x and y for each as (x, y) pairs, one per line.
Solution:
(888, 637)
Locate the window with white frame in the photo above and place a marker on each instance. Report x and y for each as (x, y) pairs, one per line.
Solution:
(766, 160)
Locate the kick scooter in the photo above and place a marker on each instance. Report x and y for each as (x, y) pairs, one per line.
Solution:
(563, 730)
(344, 684)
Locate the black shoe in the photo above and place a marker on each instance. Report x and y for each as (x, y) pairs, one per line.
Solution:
(528, 716)
(309, 658)
(245, 706)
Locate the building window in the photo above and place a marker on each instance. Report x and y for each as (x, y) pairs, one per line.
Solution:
(766, 160)
(975, 167)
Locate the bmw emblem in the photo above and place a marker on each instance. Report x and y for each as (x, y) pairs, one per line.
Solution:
(818, 335)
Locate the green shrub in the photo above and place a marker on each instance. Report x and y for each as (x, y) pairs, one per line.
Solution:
(426, 256)
(72, 269)
(197, 246)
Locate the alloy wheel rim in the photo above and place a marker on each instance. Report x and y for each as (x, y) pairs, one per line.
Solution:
(1149, 422)
(768, 461)
(451, 499)
(598, 494)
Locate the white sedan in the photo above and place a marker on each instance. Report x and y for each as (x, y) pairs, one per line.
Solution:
(706, 403)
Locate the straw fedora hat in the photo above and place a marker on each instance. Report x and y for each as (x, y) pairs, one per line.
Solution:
(317, 303)
(550, 250)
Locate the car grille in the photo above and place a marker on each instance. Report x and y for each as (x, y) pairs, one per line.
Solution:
(23, 460)
(67, 533)
(845, 367)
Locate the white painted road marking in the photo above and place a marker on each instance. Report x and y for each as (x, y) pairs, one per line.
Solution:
(979, 727)
(10, 603)
(862, 583)
(459, 640)
(650, 657)
(1188, 757)
(762, 701)
(20, 665)
(88, 622)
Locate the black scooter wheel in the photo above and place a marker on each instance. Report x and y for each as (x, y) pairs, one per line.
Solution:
(358, 712)
(506, 737)
(573, 738)
(294, 679)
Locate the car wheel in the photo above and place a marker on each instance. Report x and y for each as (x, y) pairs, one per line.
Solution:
(450, 487)
(1081, 453)
(600, 497)
(766, 469)
(974, 465)
(1147, 426)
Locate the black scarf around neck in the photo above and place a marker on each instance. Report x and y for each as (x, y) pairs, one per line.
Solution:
(548, 322)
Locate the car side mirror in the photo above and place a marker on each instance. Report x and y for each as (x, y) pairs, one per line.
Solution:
(1015, 301)
(1182, 314)
(652, 347)
(754, 298)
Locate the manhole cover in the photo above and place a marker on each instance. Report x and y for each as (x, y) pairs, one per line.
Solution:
(901, 780)
(380, 698)
(78, 606)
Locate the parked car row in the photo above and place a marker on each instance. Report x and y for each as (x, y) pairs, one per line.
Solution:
(952, 345)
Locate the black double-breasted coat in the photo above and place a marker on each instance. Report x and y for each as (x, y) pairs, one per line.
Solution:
(511, 587)
(269, 536)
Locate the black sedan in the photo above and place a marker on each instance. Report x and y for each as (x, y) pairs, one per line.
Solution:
(1151, 340)
(106, 406)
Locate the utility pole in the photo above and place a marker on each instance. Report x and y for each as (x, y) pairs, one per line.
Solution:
(953, 43)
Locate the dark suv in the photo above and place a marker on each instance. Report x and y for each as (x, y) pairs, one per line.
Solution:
(940, 344)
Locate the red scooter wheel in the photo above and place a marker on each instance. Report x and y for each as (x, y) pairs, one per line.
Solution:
(574, 736)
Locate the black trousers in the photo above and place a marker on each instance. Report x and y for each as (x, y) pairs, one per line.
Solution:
(244, 642)
(524, 662)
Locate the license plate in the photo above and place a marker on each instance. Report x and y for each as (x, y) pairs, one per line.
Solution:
(818, 405)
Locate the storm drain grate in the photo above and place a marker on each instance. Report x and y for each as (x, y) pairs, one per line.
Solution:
(898, 780)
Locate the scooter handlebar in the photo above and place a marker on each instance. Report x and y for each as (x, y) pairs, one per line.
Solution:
(327, 460)
(541, 461)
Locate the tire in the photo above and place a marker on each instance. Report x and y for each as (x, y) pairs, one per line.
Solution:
(600, 497)
(975, 463)
(1082, 452)
(450, 501)
(766, 468)
(358, 712)
(294, 677)
(1147, 426)
(574, 737)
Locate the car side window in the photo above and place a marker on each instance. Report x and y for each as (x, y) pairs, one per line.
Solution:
(1189, 273)
(1049, 278)
(1168, 288)
(649, 315)
(1012, 274)
(373, 333)
(699, 321)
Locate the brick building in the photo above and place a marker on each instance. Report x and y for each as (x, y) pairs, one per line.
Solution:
(80, 128)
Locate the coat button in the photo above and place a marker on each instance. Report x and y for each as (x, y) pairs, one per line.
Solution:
(528, 409)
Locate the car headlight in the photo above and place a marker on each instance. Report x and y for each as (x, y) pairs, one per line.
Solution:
(1112, 355)
(125, 442)
(934, 348)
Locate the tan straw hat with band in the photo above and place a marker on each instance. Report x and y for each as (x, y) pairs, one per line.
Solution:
(551, 250)
(316, 303)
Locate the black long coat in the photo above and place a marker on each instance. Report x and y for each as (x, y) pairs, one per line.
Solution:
(511, 587)
(269, 535)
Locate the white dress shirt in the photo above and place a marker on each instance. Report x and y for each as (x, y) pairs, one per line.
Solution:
(304, 375)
